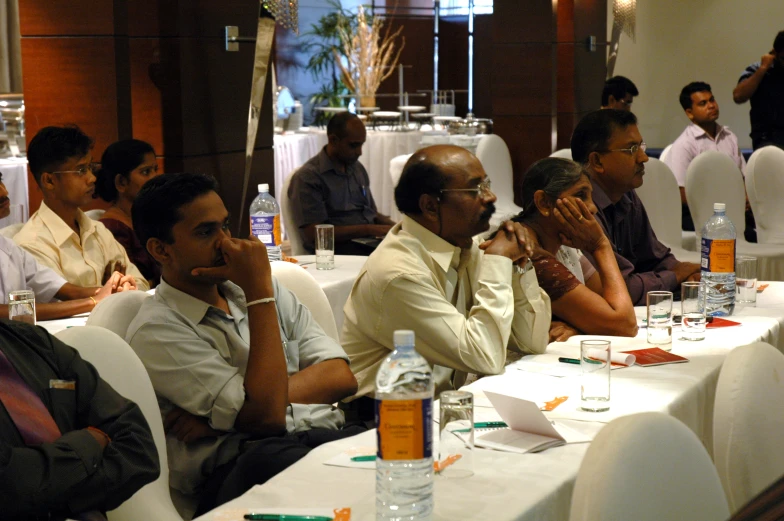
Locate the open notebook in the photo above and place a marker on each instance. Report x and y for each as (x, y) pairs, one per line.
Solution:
(529, 430)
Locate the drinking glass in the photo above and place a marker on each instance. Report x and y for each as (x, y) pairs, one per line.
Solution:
(595, 375)
(456, 434)
(660, 319)
(692, 311)
(325, 247)
(746, 279)
(21, 306)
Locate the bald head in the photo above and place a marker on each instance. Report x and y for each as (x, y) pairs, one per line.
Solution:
(428, 171)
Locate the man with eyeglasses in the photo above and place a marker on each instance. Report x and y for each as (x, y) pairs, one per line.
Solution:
(60, 235)
(608, 143)
(466, 300)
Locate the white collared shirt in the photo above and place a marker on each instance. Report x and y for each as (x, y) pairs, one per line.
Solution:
(19, 270)
(463, 319)
(81, 259)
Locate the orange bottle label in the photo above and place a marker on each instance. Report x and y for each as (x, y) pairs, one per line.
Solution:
(405, 429)
(718, 255)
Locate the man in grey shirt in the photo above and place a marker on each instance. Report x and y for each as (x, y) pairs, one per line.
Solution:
(244, 375)
(334, 188)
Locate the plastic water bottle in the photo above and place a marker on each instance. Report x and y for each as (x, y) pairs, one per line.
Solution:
(265, 221)
(718, 263)
(404, 464)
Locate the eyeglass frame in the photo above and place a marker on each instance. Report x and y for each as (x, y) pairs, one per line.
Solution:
(91, 167)
(483, 187)
(632, 150)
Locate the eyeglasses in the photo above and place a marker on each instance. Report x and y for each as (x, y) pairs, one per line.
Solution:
(632, 150)
(482, 188)
(81, 170)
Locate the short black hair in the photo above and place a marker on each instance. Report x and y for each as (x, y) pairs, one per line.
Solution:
(119, 158)
(156, 208)
(420, 176)
(778, 42)
(619, 87)
(337, 124)
(691, 88)
(53, 146)
(593, 132)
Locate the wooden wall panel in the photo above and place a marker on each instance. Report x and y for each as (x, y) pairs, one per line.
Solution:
(71, 17)
(418, 54)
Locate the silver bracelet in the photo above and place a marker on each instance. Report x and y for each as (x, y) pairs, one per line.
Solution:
(260, 301)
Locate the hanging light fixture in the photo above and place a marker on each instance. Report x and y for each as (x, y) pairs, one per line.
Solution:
(625, 17)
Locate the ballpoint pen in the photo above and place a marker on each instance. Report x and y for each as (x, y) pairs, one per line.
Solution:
(286, 517)
(368, 457)
(484, 425)
(569, 360)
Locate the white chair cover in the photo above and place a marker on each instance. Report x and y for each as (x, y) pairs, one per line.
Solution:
(765, 188)
(121, 368)
(662, 199)
(494, 155)
(292, 231)
(396, 167)
(647, 467)
(116, 312)
(665, 153)
(565, 153)
(11, 230)
(309, 293)
(95, 214)
(712, 177)
(748, 421)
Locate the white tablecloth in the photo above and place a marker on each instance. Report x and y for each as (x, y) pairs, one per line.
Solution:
(539, 486)
(336, 283)
(291, 151)
(14, 170)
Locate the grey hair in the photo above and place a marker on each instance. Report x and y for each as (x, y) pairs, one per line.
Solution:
(552, 175)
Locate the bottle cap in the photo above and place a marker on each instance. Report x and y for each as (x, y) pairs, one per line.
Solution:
(404, 337)
(719, 207)
(263, 187)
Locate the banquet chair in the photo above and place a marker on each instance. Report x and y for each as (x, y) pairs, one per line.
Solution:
(647, 467)
(11, 230)
(494, 155)
(297, 280)
(292, 231)
(765, 188)
(96, 214)
(712, 177)
(662, 199)
(116, 312)
(119, 366)
(665, 153)
(565, 153)
(748, 421)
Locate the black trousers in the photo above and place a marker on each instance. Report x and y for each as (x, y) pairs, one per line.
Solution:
(261, 460)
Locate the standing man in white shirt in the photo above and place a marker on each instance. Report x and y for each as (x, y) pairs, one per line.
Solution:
(465, 300)
(704, 133)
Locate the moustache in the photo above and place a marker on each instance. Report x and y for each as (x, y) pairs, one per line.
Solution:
(488, 213)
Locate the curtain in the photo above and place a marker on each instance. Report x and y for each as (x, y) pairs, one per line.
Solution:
(10, 47)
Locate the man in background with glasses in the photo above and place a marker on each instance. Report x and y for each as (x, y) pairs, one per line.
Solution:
(609, 145)
(465, 299)
(619, 93)
(60, 235)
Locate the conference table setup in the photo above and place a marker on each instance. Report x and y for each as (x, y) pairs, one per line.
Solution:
(533, 486)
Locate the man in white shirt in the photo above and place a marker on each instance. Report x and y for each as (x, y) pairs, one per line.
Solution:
(704, 133)
(60, 235)
(465, 301)
(20, 271)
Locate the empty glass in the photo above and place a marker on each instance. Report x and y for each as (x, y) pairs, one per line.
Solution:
(456, 440)
(692, 311)
(21, 306)
(325, 247)
(595, 375)
(660, 319)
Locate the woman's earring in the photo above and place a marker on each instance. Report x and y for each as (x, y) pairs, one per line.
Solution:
(546, 214)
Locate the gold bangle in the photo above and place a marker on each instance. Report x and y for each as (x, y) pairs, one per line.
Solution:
(95, 302)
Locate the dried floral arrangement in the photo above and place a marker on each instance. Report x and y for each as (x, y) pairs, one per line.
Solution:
(370, 55)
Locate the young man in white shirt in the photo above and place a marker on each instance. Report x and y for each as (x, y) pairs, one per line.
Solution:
(60, 235)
